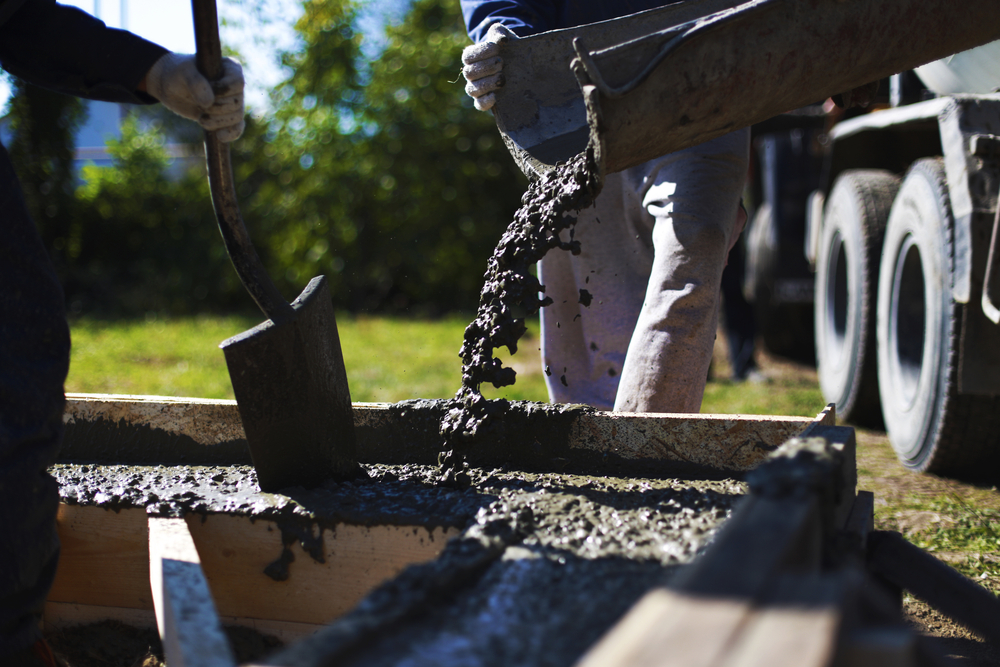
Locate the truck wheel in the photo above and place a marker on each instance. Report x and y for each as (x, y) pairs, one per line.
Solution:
(784, 326)
(931, 426)
(847, 263)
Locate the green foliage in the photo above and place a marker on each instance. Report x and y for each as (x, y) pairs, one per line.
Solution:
(149, 240)
(382, 177)
(379, 175)
(43, 124)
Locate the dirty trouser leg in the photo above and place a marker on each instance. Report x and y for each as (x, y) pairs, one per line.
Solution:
(583, 348)
(693, 196)
(34, 359)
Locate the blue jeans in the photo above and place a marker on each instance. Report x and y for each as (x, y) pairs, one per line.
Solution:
(34, 360)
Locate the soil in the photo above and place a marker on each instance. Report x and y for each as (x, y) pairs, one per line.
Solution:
(114, 644)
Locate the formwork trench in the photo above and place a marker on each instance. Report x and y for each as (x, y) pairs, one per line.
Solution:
(531, 562)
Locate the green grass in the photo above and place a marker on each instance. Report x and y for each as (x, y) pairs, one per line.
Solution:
(797, 397)
(387, 359)
(964, 532)
(175, 357)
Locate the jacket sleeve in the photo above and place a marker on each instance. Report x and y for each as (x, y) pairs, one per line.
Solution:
(523, 17)
(65, 49)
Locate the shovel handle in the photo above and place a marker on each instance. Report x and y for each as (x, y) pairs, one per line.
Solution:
(220, 179)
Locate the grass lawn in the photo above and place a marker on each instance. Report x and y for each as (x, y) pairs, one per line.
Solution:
(387, 359)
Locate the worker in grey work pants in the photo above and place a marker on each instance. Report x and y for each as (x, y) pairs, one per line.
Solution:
(653, 248)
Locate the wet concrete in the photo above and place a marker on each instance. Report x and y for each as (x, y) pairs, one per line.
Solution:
(547, 566)
(139, 442)
(390, 495)
(589, 514)
(510, 293)
(589, 517)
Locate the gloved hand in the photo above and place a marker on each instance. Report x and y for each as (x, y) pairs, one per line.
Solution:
(175, 81)
(483, 66)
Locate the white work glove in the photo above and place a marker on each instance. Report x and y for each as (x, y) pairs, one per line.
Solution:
(482, 66)
(176, 82)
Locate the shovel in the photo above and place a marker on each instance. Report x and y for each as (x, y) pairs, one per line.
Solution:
(287, 373)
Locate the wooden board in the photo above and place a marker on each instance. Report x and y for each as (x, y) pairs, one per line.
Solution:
(185, 613)
(695, 623)
(796, 623)
(104, 559)
(234, 552)
(153, 429)
(105, 563)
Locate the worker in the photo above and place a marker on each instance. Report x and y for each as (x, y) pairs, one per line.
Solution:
(67, 50)
(653, 246)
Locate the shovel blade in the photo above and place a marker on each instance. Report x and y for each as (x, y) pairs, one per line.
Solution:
(291, 389)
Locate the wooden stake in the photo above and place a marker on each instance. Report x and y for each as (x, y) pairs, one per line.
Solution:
(185, 614)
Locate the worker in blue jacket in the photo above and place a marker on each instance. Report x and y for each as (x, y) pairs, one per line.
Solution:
(67, 50)
(653, 246)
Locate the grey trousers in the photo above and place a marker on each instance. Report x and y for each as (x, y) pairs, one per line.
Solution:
(652, 252)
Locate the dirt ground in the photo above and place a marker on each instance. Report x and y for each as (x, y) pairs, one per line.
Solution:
(113, 644)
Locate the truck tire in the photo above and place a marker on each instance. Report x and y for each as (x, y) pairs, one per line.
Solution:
(847, 263)
(786, 328)
(930, 425)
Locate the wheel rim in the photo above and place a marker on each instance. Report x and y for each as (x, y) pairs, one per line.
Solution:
(908, 322)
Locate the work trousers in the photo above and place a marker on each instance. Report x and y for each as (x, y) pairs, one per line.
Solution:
(652, 252)
(34, 360)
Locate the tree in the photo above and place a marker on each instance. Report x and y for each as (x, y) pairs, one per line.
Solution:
(150, 239)
(379, 175)
(383, 176)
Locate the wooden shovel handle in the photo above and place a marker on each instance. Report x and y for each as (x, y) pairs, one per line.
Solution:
(220, 179)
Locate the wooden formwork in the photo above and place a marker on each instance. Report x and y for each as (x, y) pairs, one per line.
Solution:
(784, 583)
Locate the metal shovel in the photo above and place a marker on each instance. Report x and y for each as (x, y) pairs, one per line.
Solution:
(287, 373)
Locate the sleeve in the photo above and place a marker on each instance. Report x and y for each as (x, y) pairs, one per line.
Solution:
(523, 17)
(67, 50)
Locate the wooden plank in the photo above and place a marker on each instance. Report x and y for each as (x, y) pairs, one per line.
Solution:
(693, 624)
(947, 590)
(796, 625)
(235, 551)
(105, 563)
(861, 520)
(725, 442)
(152, 429)
(185, 614)
(670, 628)
(104, 559)
(885, 646)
